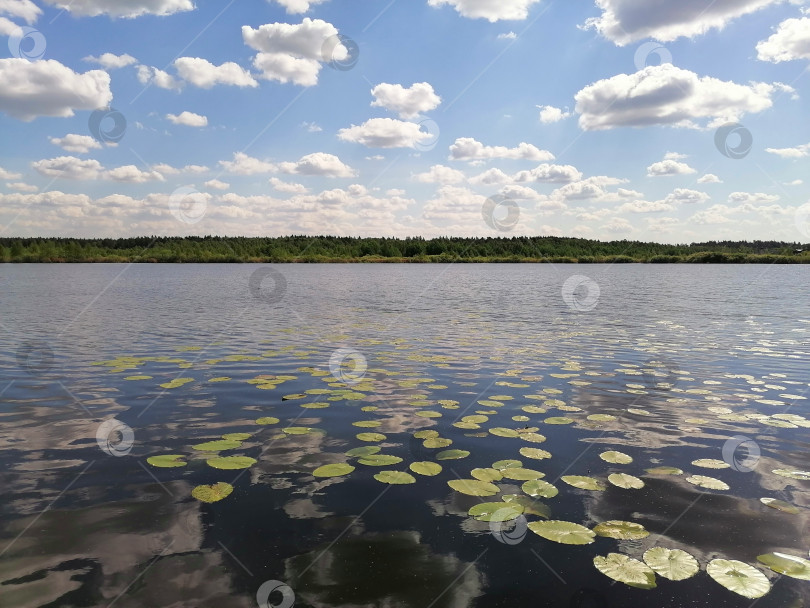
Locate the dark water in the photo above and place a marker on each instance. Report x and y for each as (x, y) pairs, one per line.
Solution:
(81, 526)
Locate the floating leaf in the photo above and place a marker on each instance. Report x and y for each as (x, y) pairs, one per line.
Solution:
(601, 417)
(297, 430)
(333, 470)
(496, 511)
(673, 564)
(559, 420)
(315, 405)
(379, 460)
(212, 493)
(533, 437)
(236, 436)
(426, 468)
(267, 420)
(138, 378)
(521, 474)
(487, 474)
(710, 463)
(665, 471)
(292, 397)
(709, 483)
(789, 565)
(506, 464)
(365, 450)
(371, 437)
(616, 457)
(538, 487)
(426, 434)
(583, 483)
(503, 432)
(626, 570)
(437, 442)
(473, 487)
(428, 414)
(565, 532)
(627, 482)
(622, 530)
(167, 461)
(739, 577)
(781, 505)
(216, 446)
(231, 462)
(367, 424)
(790, 474)
(477, 419)
(220, 379)
(395, 477)
(535, 453)
(530, 506)
(452, 454)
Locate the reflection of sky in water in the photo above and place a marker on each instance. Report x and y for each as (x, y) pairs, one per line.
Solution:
(80, 527)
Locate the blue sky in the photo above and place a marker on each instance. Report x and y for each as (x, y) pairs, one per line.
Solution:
(589, 119)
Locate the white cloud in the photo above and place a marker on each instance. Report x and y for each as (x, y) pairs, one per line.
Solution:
(669, 167)
(195, 169)
(507, 36)
(311, 127)
(112, 62)
(122, 8)
(667, 95)
(408, 103)
(709, 178)
(242, 164)
(550, 114)
(453, 203)
(215, 184)
(490, 177)
(189, 119)
(626, 21)
(69, 167)
(795, 182)
(6, 174)
(675, 156)
(8, 28)
(549, 174)
(439, 174)
(48, 88)
(204, 74)
(22, 9)
(286, 68)
(319, 163)
(642, 206)
(753, 198)
(467, 148)
(79, 144)
(797, 152)
(157, 77)
(790, 41)
(685, 196)
(385, 133)
(491, 10)
(295, 7)
(288, 187)
(21, 187)
(618, 225)
(131, 174)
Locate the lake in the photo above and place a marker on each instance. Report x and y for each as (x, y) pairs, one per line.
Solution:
(697, 376)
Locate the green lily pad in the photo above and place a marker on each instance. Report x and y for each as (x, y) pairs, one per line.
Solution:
(218, 445)
(292, 397)
(365, 450)
(622, 530)
(601, 418)
(530, 505)
(532, 437)
(535, 453)
(781, 505)
(236, 436)
(565, 532)
(428, 414)
(138, 378)
(297, 430)
(367, 424)
(437, 442)
(626, 570)
(395, 477)
(212, 493)
(521, 474)
(673, 564)
(452, 454)
(487, 474)
(231, 462)
(665, 471)
(709, 483)
(559, 420)
(496, 511)
(616, 457)
(710, 463)
(333, 470)
(371, 437)
(792, 474)
(476, 419)
(167, 461)
(538, 487)
(625, 481)
(426, 434)
(506, 464)
(473, 487)
(267, 420)
(426, 468)
(739, 577)
(379, 460)
(584, 483)
(789, 565)
(503, 432)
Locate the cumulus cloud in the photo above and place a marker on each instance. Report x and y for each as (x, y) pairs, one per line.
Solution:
(626, 21)
(204, 74)
(21, 187)
(709, 178)
(641, 206)
(289, 188)
(48, 88)
(439, 174)
(112, 62)
(550, 114)
(242, 164)
(320, 164)
(295, 7)
(189, 119)
(669, 167)
(667, 95)
(491, 10)
(507, 36)
(408, 103)
(69, 167)
(78, 144)
(215, 184)
(124, 9)
(131, 174)
(467, 148)
(21, 9)
(790, 41)
(6, 174)
(549, 174)
(157, 77)
(753, 198)
(797, 152)
(385, 133)
(685, 196)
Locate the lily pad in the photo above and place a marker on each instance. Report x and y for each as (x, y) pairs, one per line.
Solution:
(212, 493)
(710, 463)
(395, 477)
(789, 565)
(535, 453)
(559, 420)
(374, 437)
(584, 483)
(487, 474)
(533, 437)
(530, 505)
(626, 570)
(231, 462)
(297, 430)
(437, 442)
(506, 464)
(426, 468)
(367, 424)
(622, 530)
(792, 474)
(267, 420)
(496, 511)
(503, 432)
(627, 482)
(521, 474)
(379, 460)
(565, 532)
(473, 487)
(781, 505)
(538, 487)
(427, 434)
(333, 470)
(216, 446)
(167, 461)
(601, 418)
(673, 564)
(616, 457)
(452, 454)
(709, 483)
(739, 577)
(364, 450)
(665, 471)
(236, 436)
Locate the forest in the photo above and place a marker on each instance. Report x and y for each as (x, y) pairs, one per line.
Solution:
(327, 249)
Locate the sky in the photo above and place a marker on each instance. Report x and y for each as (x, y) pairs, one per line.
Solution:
(673, 121)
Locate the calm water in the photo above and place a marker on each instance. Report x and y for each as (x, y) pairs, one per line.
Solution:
(81, 526)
